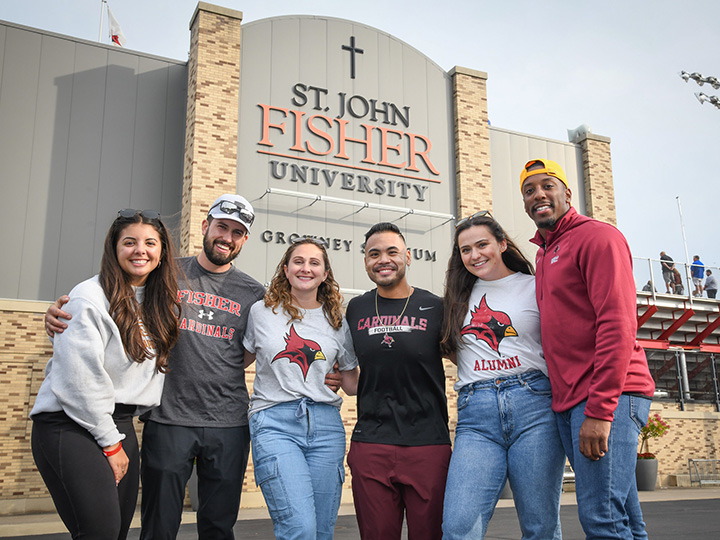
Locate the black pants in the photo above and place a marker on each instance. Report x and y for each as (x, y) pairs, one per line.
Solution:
(168, 453)
(711, 292)
(79, 478)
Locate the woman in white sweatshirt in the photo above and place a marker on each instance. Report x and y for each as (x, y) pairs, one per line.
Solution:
(106, 367)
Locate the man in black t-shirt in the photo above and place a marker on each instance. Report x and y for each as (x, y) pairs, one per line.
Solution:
(667, 265)
(400, 447)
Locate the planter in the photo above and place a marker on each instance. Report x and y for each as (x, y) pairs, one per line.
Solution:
(646, 474)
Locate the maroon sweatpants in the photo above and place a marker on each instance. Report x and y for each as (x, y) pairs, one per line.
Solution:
(389, 480)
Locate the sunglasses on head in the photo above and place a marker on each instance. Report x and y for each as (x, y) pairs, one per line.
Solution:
(312, 239)
(481, 213)
(230, 208)
(131, 213)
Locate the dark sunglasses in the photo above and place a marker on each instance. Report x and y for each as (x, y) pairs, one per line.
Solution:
(131, 213)
(481, 213)
(230, 208)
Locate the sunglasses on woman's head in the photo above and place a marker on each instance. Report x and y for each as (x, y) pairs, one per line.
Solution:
(481, 213)
(131, 212)
(312, 239)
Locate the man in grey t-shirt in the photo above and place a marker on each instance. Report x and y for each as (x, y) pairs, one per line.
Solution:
(710, 284)
(202, 418)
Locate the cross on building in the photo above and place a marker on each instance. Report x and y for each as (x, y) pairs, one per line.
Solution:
(352, 50)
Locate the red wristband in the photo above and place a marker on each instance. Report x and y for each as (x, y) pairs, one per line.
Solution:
(113, 452)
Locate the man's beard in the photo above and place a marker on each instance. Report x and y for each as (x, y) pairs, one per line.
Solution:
(388, 281)
(548, 223)
(216, 258)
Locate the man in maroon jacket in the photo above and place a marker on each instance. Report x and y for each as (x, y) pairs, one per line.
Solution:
(600, 379)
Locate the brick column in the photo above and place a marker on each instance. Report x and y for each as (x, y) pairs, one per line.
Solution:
(597, 169)
(472, 141)
(212, 117)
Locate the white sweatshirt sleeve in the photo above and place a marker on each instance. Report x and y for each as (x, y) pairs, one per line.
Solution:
(78, 377)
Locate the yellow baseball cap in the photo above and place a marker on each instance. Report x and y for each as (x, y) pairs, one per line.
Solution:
(549, 167)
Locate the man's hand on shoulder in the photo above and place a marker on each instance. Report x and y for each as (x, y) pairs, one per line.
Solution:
(594, 435)
(53, 324)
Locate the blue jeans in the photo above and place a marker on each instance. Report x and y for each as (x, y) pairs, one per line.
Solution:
(608, 504)
(298, 449)
(506, 430)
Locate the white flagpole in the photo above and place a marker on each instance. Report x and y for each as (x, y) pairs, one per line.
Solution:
(102, 5)
(687, 255)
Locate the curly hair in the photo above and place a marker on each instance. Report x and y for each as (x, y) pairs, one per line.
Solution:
(159, 310)
(459, 281)
(328, 293)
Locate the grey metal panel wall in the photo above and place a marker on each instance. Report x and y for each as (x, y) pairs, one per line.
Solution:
(3, 32)
(509, 151)
(80, 233)
(17, 101)
(85, 129)
(174, 146)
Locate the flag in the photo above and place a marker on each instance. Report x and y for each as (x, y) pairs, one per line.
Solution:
(116, 34)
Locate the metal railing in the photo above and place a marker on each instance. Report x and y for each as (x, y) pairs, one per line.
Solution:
(685, 376)
(704, 471)
(649, 278)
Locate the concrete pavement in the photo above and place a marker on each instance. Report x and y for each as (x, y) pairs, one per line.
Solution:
(670, 514)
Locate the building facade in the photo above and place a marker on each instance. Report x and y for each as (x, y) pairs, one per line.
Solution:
(327, 126)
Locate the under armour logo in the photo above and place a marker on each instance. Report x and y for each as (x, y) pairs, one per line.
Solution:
(209, 314)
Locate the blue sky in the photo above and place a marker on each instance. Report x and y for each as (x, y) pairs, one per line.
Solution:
(552, 66)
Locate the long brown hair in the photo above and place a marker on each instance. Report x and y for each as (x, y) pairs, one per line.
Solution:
(159, 310)
(328, 294)
(459, 282)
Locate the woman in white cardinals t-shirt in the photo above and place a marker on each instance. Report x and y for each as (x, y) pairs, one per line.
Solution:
(297, 334)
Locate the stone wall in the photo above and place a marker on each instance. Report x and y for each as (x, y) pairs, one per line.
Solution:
(472, 141)
(24, 351)
(694, 434)
(212, 117)
(599, 187)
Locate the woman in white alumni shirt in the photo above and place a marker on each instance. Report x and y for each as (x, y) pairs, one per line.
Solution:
(107, 367)
(506, 429)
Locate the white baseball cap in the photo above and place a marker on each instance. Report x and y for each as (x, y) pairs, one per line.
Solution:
(234, 207)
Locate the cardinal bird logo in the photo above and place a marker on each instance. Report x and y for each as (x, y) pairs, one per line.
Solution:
(489, 326)
(300, 351)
